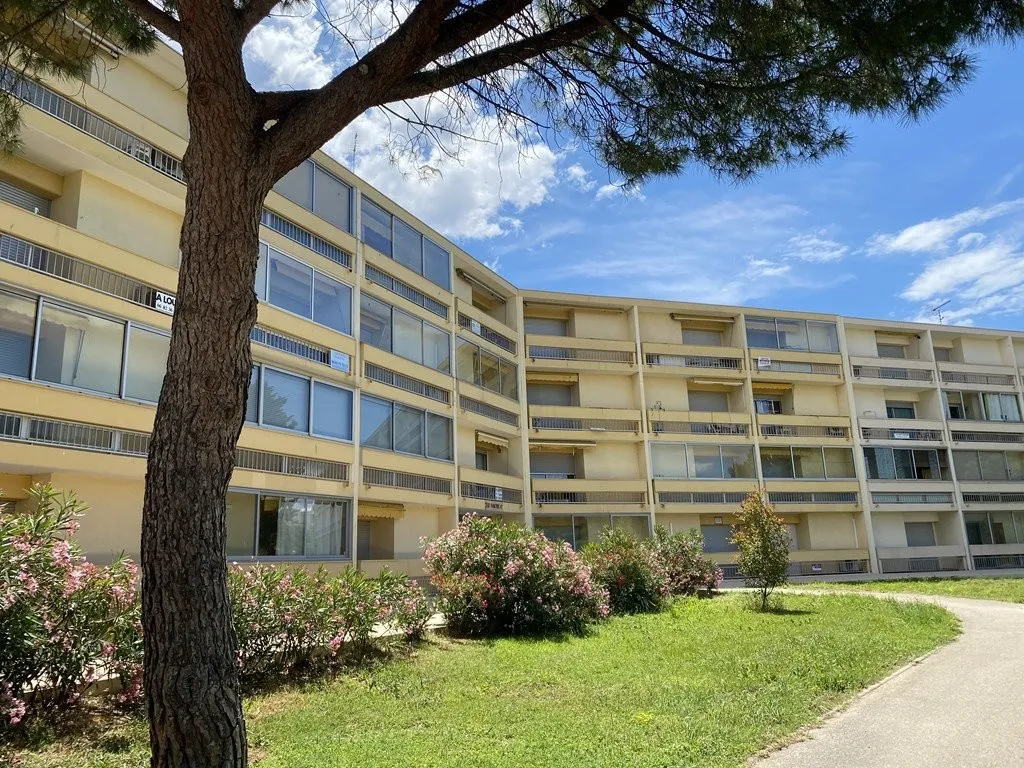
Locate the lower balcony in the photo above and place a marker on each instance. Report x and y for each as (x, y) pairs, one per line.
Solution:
(582, 423)
(824, 430)
(806, 562)
(995, 556)
(589, 495)
(489, 492)
(714, 426)
(922, 559)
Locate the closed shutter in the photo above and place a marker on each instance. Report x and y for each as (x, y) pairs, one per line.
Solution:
(920, 534)
(546, 326)
(717, 538)
(709, 401)
(548, 394)
(553, 464)
(15, 353)
(22, 198)
(363, 540)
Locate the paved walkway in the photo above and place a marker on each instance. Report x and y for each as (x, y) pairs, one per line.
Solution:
(961, 707)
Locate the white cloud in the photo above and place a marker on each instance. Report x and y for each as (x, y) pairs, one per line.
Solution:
(935, 234)
(579, 177)
(1007, 179)
(613, 191)
(814, 247)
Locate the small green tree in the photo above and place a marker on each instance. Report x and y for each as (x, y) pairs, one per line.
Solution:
(761, 537)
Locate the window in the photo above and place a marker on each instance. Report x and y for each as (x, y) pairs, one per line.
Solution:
(795, 334)
(393, 237)
(579, 530)
(480, 459)
(897, 409)
(146, 365)
(807, 463)
(703, 400)
(920, 534)
(17, 329)
(989, 465)
(264, 525)
(295, 287)
(702, 338)
(1001, 407)
(480, 367)
(560, 466)
(548, 394)
(982, 406)
(717, 538)
(905, 464)
(283, 400)
(894, 351)
(943, 354)
(768, 405)
(80, 350)
(546, 326)
(699, 462)
(316, 190)
(994, 527)
(404, 429)
(402, 334)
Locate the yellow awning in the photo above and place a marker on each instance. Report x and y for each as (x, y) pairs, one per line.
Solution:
(536, 377)
(379, 509)
(718, 382)
(771, 386)
(561, 445)
(488, 439)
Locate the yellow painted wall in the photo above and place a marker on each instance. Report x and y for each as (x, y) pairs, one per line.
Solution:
(811, 400)
(603, 391)
(141, 91)
(671, 391)
(831, 530)
(860, 342)
(415, 523)
(612, 461)
(591, 324)
(678, 523)
(979, 350)
(113, 523)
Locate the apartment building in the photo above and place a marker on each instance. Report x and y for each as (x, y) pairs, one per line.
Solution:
(398, 383)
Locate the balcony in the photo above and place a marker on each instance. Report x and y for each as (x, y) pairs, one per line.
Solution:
(723, 496)
(562, 353)
(570, 422)
(921, 559)
(994, 556)
(487, 328)
(806, 562)
(990, 438)
(795, 366)
(992, 499)
(813, 429)
(1000, 378)
(490, 491)
(899, 500)
(901, 430)
(488, 416)
(831, 501)
(712, 425)
(693, 360)
(920, 376)
(589, 495)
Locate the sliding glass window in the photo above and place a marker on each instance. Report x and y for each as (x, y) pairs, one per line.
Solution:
(298, 404)
(287, 527)
(389, 328)
(807, 463)
(485, 369)
(989, 465)
(700, 461)
(905, 464)
(792, 334)
(394, 238)
(289, 284)
(319, 191)
(401, 428)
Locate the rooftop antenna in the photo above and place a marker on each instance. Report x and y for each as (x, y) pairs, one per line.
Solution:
(355, 146)
(938, 310)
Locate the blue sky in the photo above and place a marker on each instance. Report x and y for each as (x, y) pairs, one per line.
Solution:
(910, 216)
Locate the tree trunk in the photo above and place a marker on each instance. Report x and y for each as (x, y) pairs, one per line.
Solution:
(191, 678)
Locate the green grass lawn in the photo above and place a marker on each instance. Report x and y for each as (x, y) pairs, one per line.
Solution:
(1008, 590)
(706, 684)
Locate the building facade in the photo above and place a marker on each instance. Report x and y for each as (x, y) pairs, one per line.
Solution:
(399, 383)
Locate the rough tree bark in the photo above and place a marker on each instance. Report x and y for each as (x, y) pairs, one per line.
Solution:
(192, 687)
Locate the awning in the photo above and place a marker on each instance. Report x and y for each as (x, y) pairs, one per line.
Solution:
(772, 386)
(695, 320)
(719, 383)
(561, 445)
(536, 377)
(488, 439)
(380, 510)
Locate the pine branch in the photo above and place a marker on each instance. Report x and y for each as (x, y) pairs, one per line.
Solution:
(156, 18)
(253, 12)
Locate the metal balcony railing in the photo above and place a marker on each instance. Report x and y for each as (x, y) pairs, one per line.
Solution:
(788, 366)
(921, 564)
(695, 361)
(399, 288)
(580, 355)
(895, 374)
(993, 497)
(816, 568)
(988, 437)
(881, 433)
(700, 497)
(406, 480)
(491, 493)
(290, 345)
(384, 375)
(813, 497)
(486, 333)
(593, 425)
(304, 237)
(589, 497)
(804, 430)
(964, 377)
(699, 428)
(911, 498)
(297, 466)
(488, 411)
(987, 562)
(552, 476)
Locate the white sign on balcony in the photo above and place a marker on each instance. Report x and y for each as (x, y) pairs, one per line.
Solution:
(163, 302)
(499, 494)
(340, 361)
(474, 326)
(764, 362)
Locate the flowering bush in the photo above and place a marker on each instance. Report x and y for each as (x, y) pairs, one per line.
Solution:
(762, 542)
(689, 571)
(497, 579)
(293, 621)
(631, 569)
(63, 621)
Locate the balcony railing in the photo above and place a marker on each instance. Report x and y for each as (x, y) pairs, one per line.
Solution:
(921, 564)
(813, 497)
(553, 475)
(879, 433)
(804, 430)
(297, 466)
(695, 361)
(699, 428)
(582, 425)
(488, 334)
(491, 493)
(988, 437)
(399, 288)
(987, 562)
(993, 497)
(488, 411)
(805, 568)
(788, 366)
(589, 497)
(893, 374)
(383, 375)
(911, 498)
(406, 480)
(580, 355)
(964, 377)
(700, 497)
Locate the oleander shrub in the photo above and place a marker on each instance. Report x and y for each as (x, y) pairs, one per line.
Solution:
(688, 570)
(64, 622)
(500, 579)
(630, 568)
(762, 543)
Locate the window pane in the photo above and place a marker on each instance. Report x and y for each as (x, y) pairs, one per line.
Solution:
(776, 461)
(792, 333)
(375, 422)
(1002, 528)
(702, 338)
(376, 227)
(893, 351)
(738, 460)
(466, 359)
(768, 405)
(548, 394)
(978, 531)
(408, 247)
(761, 333)
(261, 273)
(1009, 408)
(291, 284)
(252, 398)
(943, 354)
(993, 465)
(839, 463)
(436, 348)
(905, 466)
(555, 528)
(409, 426)
(717, 538)
(241, 524)
(1015, 463)
(325, 528)
(920, 534)
(709, 401)
(80, 350)
(332, 303)
(706, 461)
(808, 463)
(17, 327)
(375, 322)
(436, 264)
(297, 185)
(546, 326)
(439, 437)
(285, 400)
(282, 525)
(899, 410)
(822, 337)
(635, 524)
(490, 375)
(508, 379)
(668, 460)
(966, 465)
(333, 201)
(407, 341)
(147, 363)
(332, 411)
(880, 464)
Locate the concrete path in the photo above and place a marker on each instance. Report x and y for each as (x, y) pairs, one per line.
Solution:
(961, 707)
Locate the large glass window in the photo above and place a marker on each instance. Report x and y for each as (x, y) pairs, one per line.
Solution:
(437, 264)
(316, 190)
(332, 411)
(480, 367)
(289, 284)
(409, 430)
(1001, 407)
(297, 185)
(146, 365)
(375, 422)
(905, 464)
(282, 400)
(17, 328)
(332, 303)
(241, 524)
(702, 461)
(285, 400)
(287, 527)
(790, 333)
(376, 227)
(580, 530)
(408, 247)
(393, 237)
(439, 437)
(80, 350)
(402, 428)
(799, 463)
(989, 465)
(808, 463)
(405, 335)
(437, 348)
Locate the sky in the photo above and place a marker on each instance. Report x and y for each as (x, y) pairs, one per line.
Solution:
(912, 215)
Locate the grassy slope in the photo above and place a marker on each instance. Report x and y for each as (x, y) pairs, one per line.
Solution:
(706, 684)
(1009, 590)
